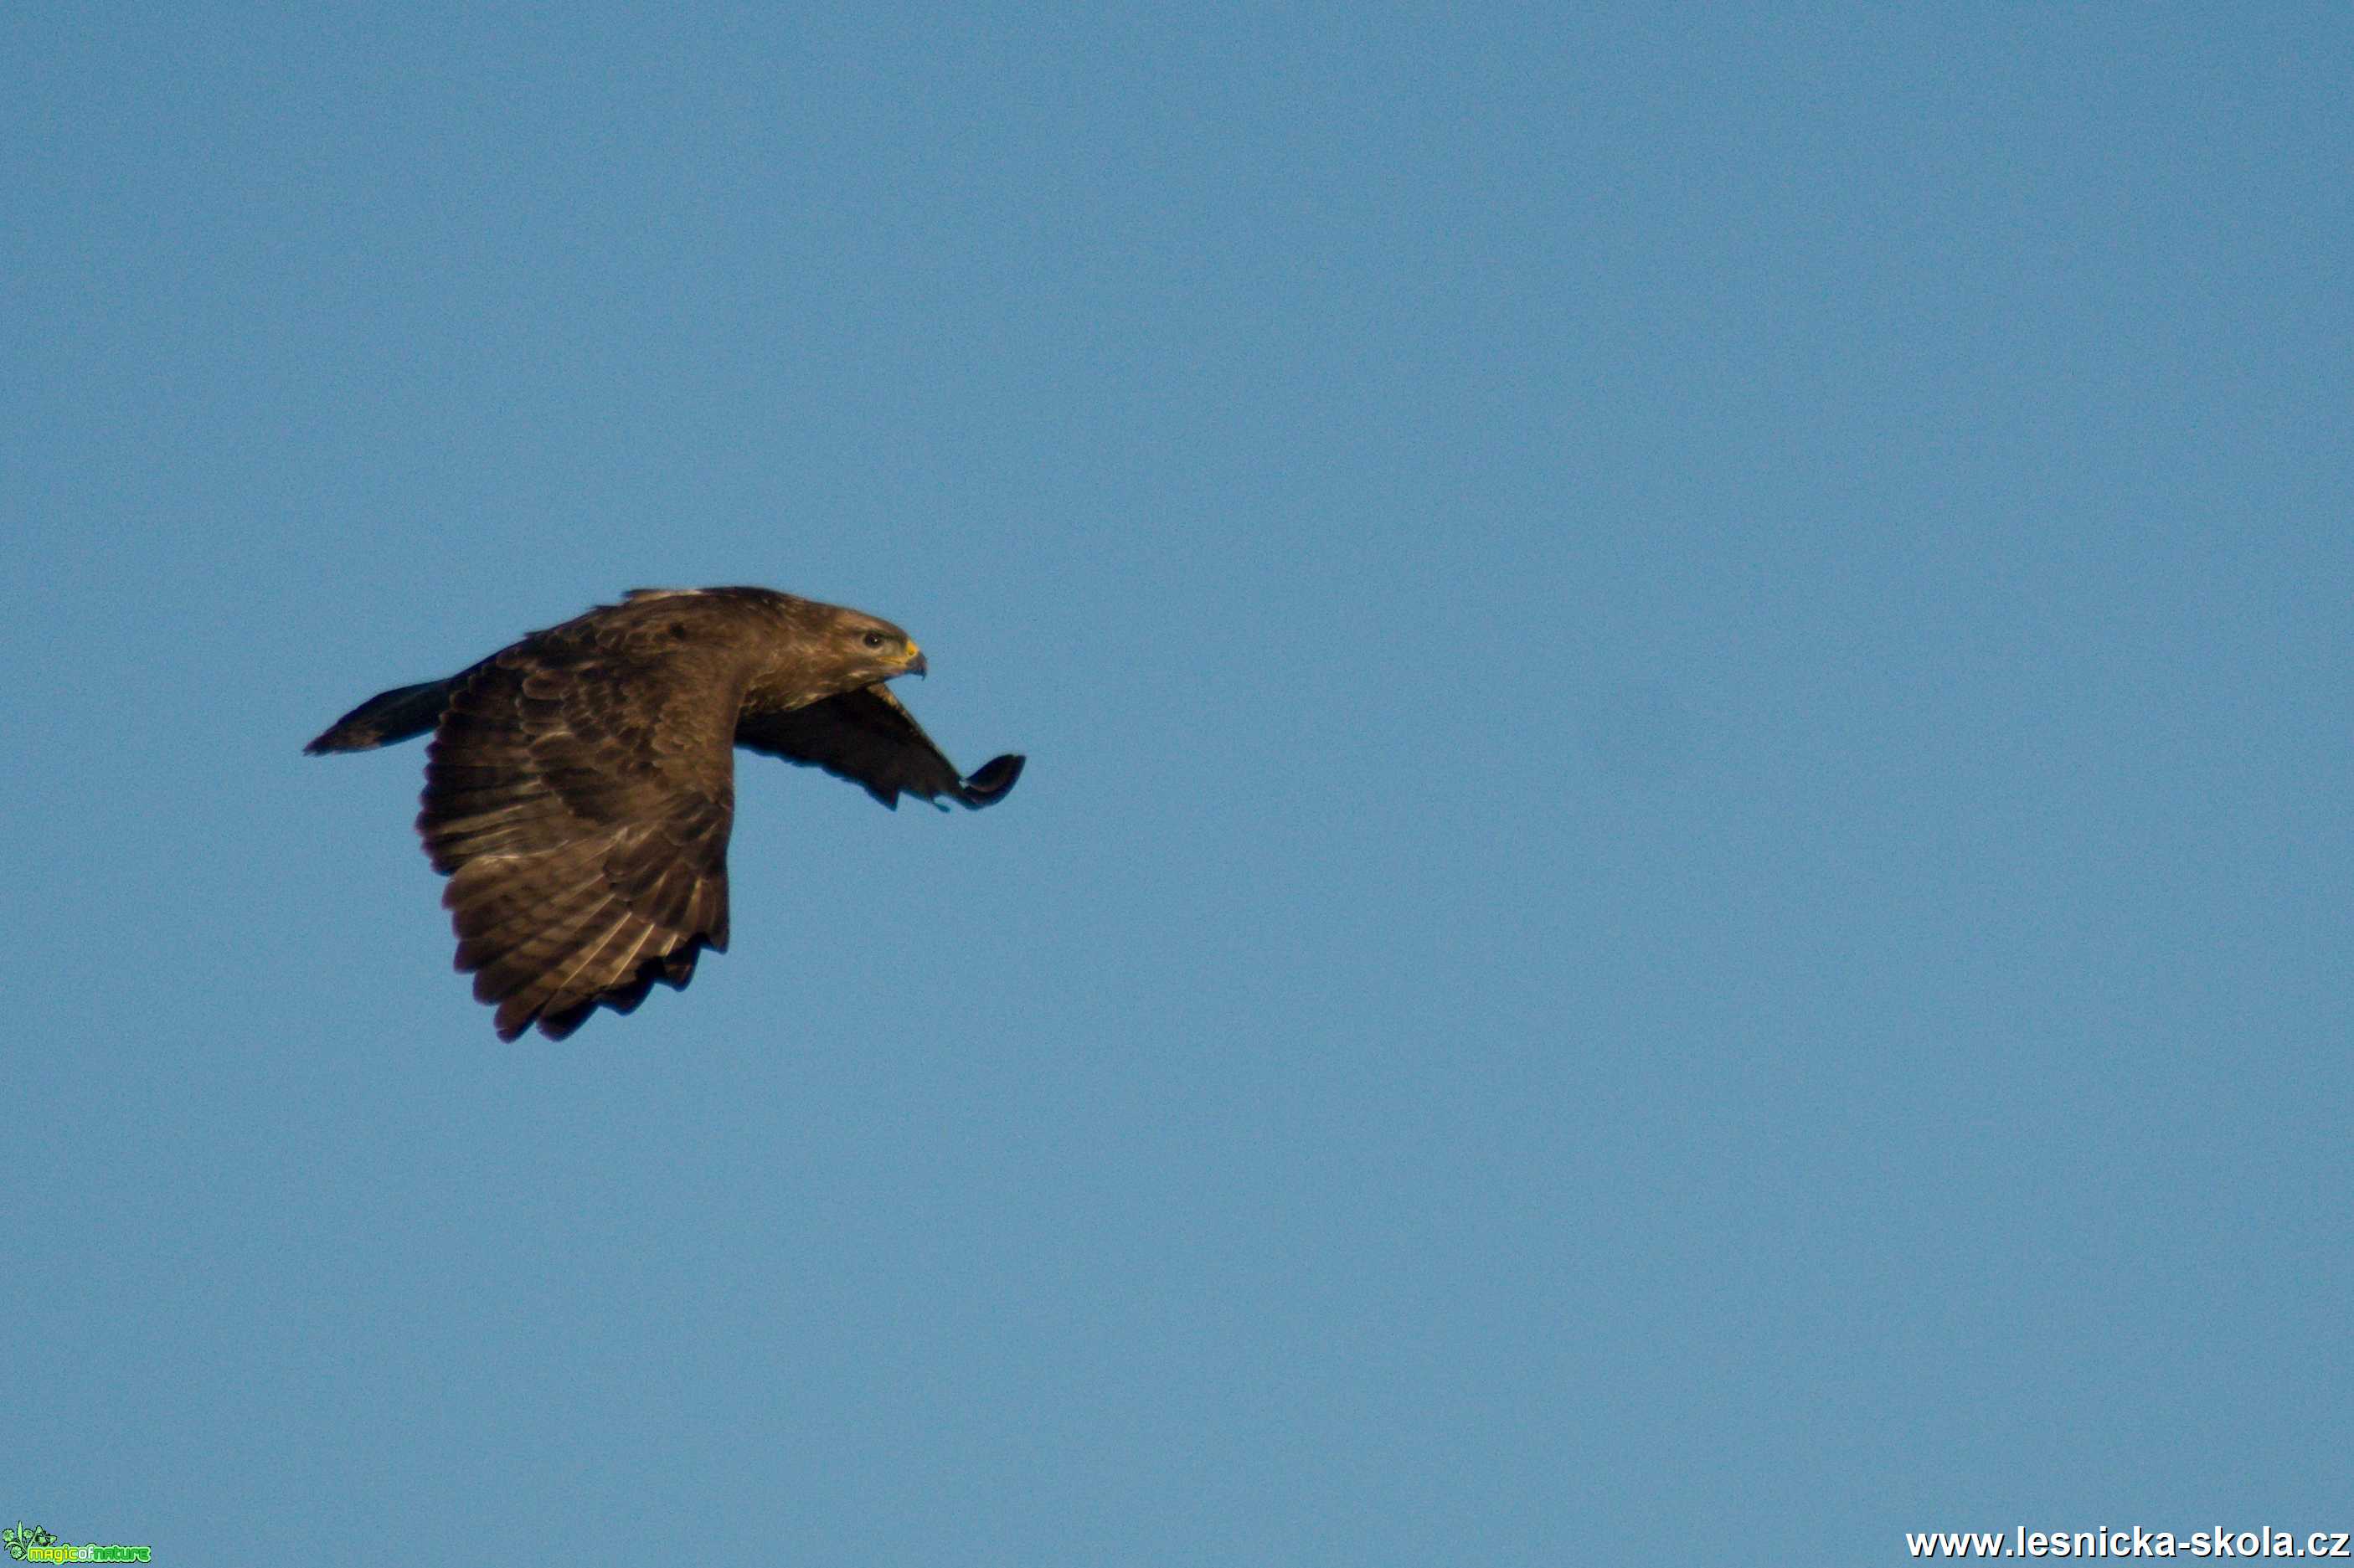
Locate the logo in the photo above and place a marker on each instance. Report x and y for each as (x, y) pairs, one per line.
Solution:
(31, 1544)
(21, 1541)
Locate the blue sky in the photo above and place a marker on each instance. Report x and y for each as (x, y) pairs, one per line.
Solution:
(1683, 882)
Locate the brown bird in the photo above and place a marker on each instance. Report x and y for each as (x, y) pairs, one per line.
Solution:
(580, 785)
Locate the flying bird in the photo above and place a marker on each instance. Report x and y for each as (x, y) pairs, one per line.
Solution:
(580, 785)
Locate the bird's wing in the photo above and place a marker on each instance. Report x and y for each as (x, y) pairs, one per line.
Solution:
(578, 794)
(869, 737)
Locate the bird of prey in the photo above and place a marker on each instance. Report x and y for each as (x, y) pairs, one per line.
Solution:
(580, 785)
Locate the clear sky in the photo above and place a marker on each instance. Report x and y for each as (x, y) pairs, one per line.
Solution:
(1683, 887)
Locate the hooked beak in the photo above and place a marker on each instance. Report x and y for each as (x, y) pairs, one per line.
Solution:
(917, 665)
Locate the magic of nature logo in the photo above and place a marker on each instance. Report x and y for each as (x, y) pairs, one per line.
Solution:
(31, 1544)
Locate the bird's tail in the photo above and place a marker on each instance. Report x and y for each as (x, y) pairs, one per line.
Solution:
(386, 717)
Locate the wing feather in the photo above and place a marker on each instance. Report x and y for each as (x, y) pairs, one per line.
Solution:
(868, 736)
(578, 793)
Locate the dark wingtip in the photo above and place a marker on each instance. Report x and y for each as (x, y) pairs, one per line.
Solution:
(990, 783)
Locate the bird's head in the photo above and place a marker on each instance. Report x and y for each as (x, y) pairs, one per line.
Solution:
(875, 650)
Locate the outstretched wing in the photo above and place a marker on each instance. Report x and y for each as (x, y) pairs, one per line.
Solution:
(578, 793)
(867, 736)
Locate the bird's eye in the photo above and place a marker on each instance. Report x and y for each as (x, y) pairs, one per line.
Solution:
(874, 640)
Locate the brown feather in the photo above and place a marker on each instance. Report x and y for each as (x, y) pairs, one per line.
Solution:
(580, 786)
